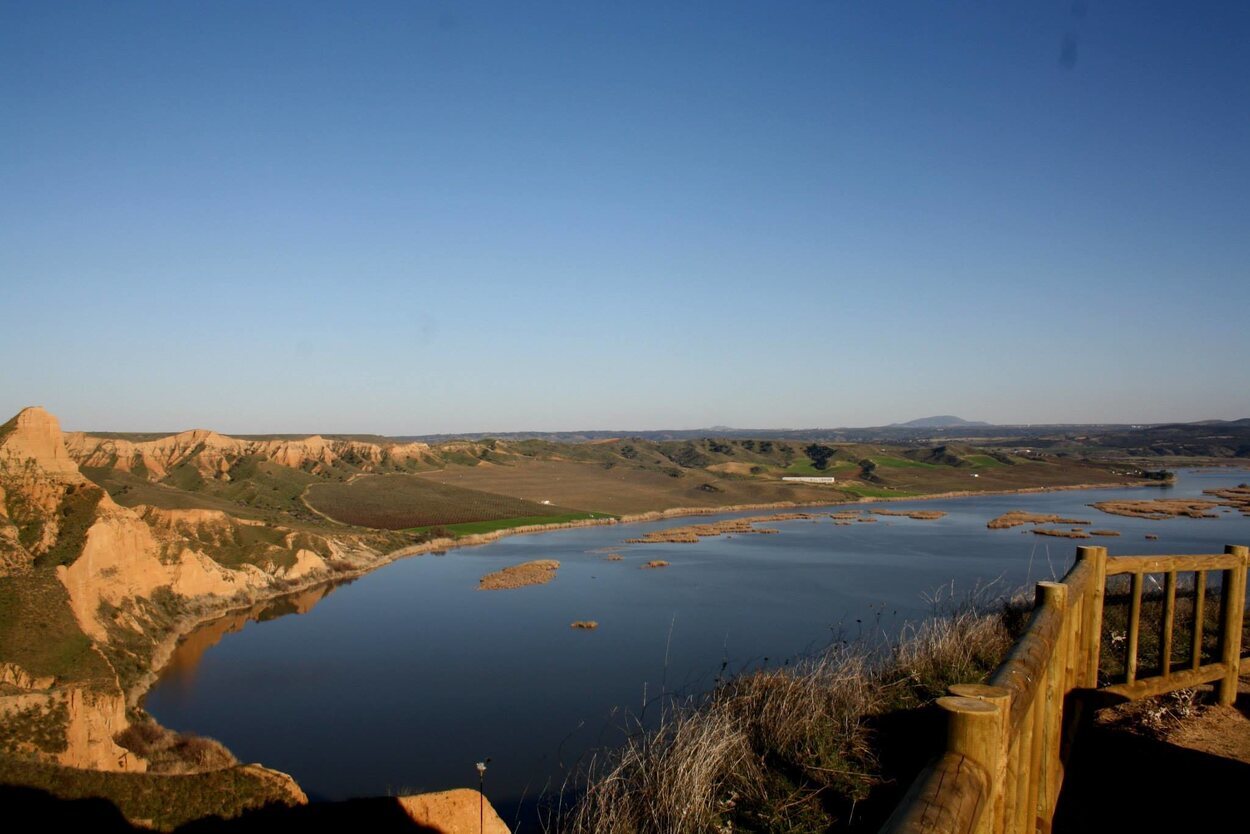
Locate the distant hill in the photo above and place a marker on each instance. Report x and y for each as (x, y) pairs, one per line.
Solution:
(943, 421)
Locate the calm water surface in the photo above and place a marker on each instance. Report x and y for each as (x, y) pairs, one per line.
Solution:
(401, 680)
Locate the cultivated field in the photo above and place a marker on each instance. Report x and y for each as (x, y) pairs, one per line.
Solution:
(622, 489)
(399, 502)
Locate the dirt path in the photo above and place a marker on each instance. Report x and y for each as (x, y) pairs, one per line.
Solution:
(1220, 731)
(1189, 775)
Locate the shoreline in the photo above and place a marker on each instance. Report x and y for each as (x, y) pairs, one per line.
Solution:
(186, 624)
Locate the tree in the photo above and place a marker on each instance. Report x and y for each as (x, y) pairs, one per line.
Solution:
(819, 455)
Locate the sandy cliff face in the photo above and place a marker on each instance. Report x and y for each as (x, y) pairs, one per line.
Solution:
(94, 719)
(34, 435)
(113, 561)
(88, 718)
(37, 475)
(213, 454)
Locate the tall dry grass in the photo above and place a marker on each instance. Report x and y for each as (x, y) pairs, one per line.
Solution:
(780, 749)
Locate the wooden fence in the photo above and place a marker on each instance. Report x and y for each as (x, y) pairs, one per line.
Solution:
(1008, 740)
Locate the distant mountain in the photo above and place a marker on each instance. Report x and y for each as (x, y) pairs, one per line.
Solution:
(943, 421)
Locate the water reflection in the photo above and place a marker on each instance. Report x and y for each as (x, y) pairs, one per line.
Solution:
(180, 671)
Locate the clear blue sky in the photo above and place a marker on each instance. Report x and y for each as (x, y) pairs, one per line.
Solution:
(423, 217)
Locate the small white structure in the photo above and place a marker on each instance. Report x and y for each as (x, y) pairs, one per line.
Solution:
(809, 479)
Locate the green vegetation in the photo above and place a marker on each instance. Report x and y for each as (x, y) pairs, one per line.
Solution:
(75, 515)
(819, 455)
(234, 544)
(984, 460)
(41, 726)
(168, 801)
(890, 462)
(39, 633)
(807, 467)
(469, 528)
(401, 502)
(129, 651)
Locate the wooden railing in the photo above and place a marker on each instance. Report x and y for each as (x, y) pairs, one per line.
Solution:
(1008, 740)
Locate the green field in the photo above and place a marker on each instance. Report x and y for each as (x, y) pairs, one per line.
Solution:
(470, 528)
(403, 502)
(805, 467)
(984, 460)
(902, 463)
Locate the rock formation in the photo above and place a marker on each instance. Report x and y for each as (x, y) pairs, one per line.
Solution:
(214, 454)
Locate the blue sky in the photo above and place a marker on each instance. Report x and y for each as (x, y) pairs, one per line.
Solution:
(426, 217)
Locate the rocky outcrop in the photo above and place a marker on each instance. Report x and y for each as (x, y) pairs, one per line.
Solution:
(37, 478)
(460, 811)
(214, 454)
(83, 719)
(123, 570)
(34, 437)
(18, 678)
(94, 719)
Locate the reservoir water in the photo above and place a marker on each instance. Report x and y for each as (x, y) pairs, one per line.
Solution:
(401, 680)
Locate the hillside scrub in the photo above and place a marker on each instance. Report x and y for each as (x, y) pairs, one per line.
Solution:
(785, 749)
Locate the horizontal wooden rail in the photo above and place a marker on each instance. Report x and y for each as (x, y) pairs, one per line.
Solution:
(949, 797)
(1021, 673)
(1117, 565)
(1008, 741)
(1161, 685)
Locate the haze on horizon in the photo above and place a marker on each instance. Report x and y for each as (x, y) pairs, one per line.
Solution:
(403, 218)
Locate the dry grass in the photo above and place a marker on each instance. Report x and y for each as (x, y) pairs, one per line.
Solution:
(589, 625)
(691, 533)
(1104, 532)
(1160, 508)
(174, 753)
(1062, 534)
(1237, 497)
(613, 557)
(1016, 518)
(917, 515)
(776, 749)
(537, 572)
(656, 563)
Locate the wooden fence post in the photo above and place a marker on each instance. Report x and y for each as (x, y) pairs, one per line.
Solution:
(1052, 696)
(994, 819)
(1232, 611)
(1091, 651)
(975, 730)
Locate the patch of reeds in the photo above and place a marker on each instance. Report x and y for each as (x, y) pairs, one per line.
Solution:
(1160, 509)
(1062, 534)
(691, 534)
(537, 572)
(1015, 518)
(915, 515)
